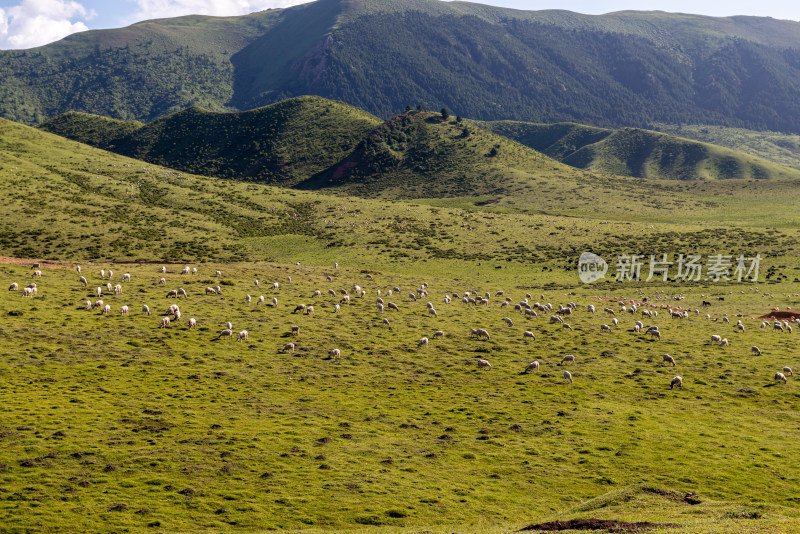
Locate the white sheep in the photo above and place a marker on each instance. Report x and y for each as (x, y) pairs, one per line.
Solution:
(668, 359)
(724, 342)
(109, 287)
(380, 307)
(248, 299)
(780, 377)
(102, 273)
(335, 354)
(484, 364)
(126, 277)
(110, 274)
(78, 268)
(605, 327)
(276, 285)
(392, 306)
(88, 305)
(182, 293)
(755, 350)
(614, 321)
(118, 289)
(219, 274)
(345, 299)
(37, 274)
(172, 293)
(438, 334)
(533, 366)
(568, 376)
(125, 310)
(98, 304)
(289, 347)
(528, 334)
(423, 342)
(317, 294)
(177, 315)
(194, 270)
(565, 326)
(83, 281)
(192, 322)
(299, 308)
(295, 330)
(162, 282)
(481, 333)
(209, 291)
(218, 290)
(98, 291)
(716, 339)
(676, 382)
(163, 269)
(185, 270)
(788, 371)
(107, 309)
(28, 292)
(146, 309)
(568, 358)
(15, 286)
(508, 321)
(242, 336)
(386, 322)
(309, 310)
(274, 302)
(164, 322)
(432, 313)
(226, 333)
(261, 300)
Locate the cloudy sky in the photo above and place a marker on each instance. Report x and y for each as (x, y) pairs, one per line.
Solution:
(30, 23)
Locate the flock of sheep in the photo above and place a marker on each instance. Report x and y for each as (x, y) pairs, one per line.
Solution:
(527, 309)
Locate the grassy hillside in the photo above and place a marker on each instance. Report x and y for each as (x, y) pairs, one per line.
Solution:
(783, 149)
(641, 153)
(117, 424)
(621, 69)
(282, 143)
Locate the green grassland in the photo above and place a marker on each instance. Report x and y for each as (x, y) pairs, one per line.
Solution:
(641, 153)
(111, 423)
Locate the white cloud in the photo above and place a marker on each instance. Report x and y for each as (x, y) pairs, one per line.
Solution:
(155, 9)
(38, 22)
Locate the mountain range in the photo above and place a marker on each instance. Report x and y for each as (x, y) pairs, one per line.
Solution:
(625, 69)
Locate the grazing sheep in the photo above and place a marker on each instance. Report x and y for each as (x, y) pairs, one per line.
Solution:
(345, 299)
(533, 366)
(740, 327)
(317, 294)
(777, 325)
(591, 308)
(109, 287)
(15, 286)
(219, 274)
(676, 382)
(126, 277)
(209, 291)
(28, 291)
(242, 336)
(177, 315)
(163, 269)
(423, 342)
(118, 289)
(309, 310)
(83, 281)
(299, 308)
(194, 270)
(508, 321)
(392, 306)
(614, 321)
(88, 305)
(289, 279)
(556, 319)
(295, 330)
(248, 299)
(438, 334)
(528, 334)
(788, 371)
(174, 293)
(669, 359)
(182, 293)
(102, 273)
(337, 308)
(162, 282)
(565, 326)
(412, 296)
(724, 342)
(780, 377)
(432, 313)
(605, 327)
(37, 274)
(274, 302)
(261, 300)
(164, 322)
(567, 358)
(226, 333)
(107, 309)
(192, 322)
(78, 268)
(335, 354)
(185, 270)
(484, 364)
(481, 333)
(98, 291)
(716, 339)
(124, 310)
(568, 376)
(218, 290)
(276, 285)
(755, 350)
(289, 347)
(380, 307)
(110, 273)
(146, 309)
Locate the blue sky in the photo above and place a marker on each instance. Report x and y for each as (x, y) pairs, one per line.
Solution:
(29, 23)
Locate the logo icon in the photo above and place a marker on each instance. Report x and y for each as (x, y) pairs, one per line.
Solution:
(591, 268)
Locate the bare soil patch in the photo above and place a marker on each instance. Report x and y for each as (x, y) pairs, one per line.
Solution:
(609, 525)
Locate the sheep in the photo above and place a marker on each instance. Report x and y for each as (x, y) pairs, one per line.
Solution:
(780, 377)
(716, 339)
(174, 293)
(242, 336)
(274, 302)
(740, 327)
(98, 304)
(260, 300)
(605, 327)
(637, 328)
(172, 309)
(226, 333)
(676, 382)
(724, 342)
(755, 350)
(423, 342)
(289, 279)
(163, 269)
(533, 366)
(788, 371)
(412, 296)
(37, 274)
(335, 354)
(528, 334)
(331, 292)
(591, 308)
(309, 310)
(481, 333)
(218, 290)
(345, 299)
(777, 325)
(614, 321)
(177, 315)
(432, 313)
(484, 364)
(194, 270)
(568, 376)
(109, 287)
(503, 304)
(146, 309)
(317, 294)
(248, 299)
(102, 273)
(98, 291)
(556, 319)
(668, 359)
(124, 310)
(192, 322)
(295, 330)
(164, 322)
(276, 285)
(110, 274)
(182, 293)
(299, 308)
(565, 326)
(289, 347)
(88, 305)
(162, 282)
(185, 270)
(218, 274)
(83, 281)
(392, 306)
(78, 268)
(337, 308)
(126, 277)
(386, 322)
(107, 309)
(508, 321)
(118, 289)
(209, 291)
(566, 359)
(13, 287)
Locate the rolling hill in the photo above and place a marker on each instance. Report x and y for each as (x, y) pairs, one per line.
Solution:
(621, 69)
(639, 153)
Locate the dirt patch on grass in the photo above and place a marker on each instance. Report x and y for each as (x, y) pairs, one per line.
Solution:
(782, 315)
(44, 264)
(609, 525)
